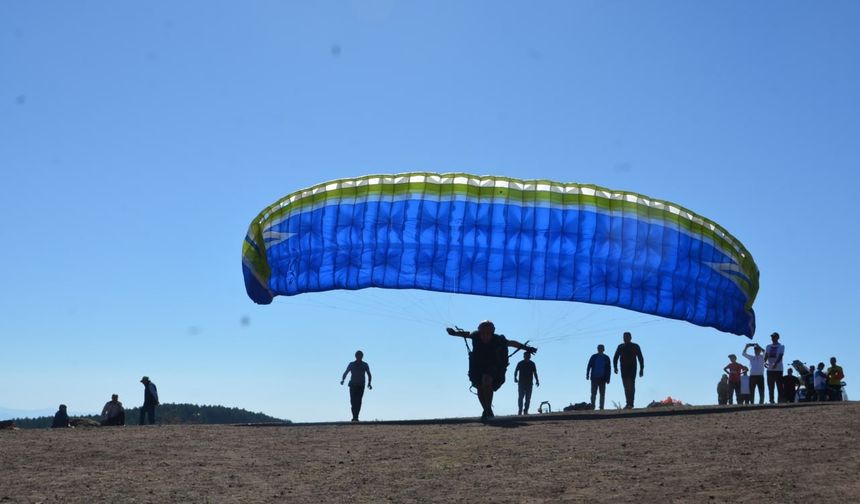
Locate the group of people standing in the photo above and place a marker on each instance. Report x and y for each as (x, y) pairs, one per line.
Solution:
(740, 383)
(489, 360)
(113, 412)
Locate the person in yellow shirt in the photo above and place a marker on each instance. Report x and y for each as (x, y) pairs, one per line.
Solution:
(834, 380)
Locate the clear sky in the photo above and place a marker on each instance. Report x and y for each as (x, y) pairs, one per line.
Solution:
(138, 140)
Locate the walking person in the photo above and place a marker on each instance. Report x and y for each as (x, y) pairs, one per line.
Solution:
(524, 374)
(488, 361)
(756, 371)
(598, 371)
(357, 369)
(773, 362)
(150, 400)
(629, 353)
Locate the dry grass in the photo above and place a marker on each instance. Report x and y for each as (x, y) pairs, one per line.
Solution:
(772, 454)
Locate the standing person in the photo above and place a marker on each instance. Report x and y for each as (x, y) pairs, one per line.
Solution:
(810, 385)
(834, 380)
(756, 371)
(598, 371)
(746, 396)
(488, 361)
(357, 369)
(150, 400)
(723, 391)
(524, 374)
(734, 370)
(773, 362)
(820, 381)
(113, 413)
(790, 384)
(629, 353)
(61, 418)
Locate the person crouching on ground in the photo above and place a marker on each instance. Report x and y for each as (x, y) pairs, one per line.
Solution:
(113, 413)
(61, 418)
(488, 361)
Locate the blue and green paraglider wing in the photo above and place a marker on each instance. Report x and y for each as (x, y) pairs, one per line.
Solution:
(498, 236)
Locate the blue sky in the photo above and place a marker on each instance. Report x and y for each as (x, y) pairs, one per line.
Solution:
(137, 142)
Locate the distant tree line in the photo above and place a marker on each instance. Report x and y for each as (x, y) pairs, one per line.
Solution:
(171, 414)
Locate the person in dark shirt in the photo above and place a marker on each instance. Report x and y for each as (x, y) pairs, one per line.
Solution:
(599, 372)
(488, 361)
(357, 369)
(61, 418)
(790, 384)
(629, 353)
(723, 391)
(524, 374)
(150, 401)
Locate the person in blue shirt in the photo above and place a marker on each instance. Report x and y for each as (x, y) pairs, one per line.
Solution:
(357, 369)
(598, 371)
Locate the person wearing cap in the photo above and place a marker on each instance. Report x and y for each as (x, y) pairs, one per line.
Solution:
(756, 370)
(773, 362)
(113, 412)
(525, 375)
(488, 361)
(357, 369)
(150, 400)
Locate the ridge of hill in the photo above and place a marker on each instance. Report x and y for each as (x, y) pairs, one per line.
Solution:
(171, 414)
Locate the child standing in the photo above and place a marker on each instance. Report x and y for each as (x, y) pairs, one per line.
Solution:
(746, 393)
(733, 369)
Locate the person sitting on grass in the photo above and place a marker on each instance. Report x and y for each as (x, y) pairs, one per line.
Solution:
(113, 413)
(61, 418)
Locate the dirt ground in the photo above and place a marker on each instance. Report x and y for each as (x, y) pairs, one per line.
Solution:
(720, 454)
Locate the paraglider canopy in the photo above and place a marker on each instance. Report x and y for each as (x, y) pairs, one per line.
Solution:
(499, 236)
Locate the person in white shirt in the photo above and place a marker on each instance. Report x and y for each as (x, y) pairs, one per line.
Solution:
(113, 412)
(756, 371)
(773, 362)
(746, 396)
